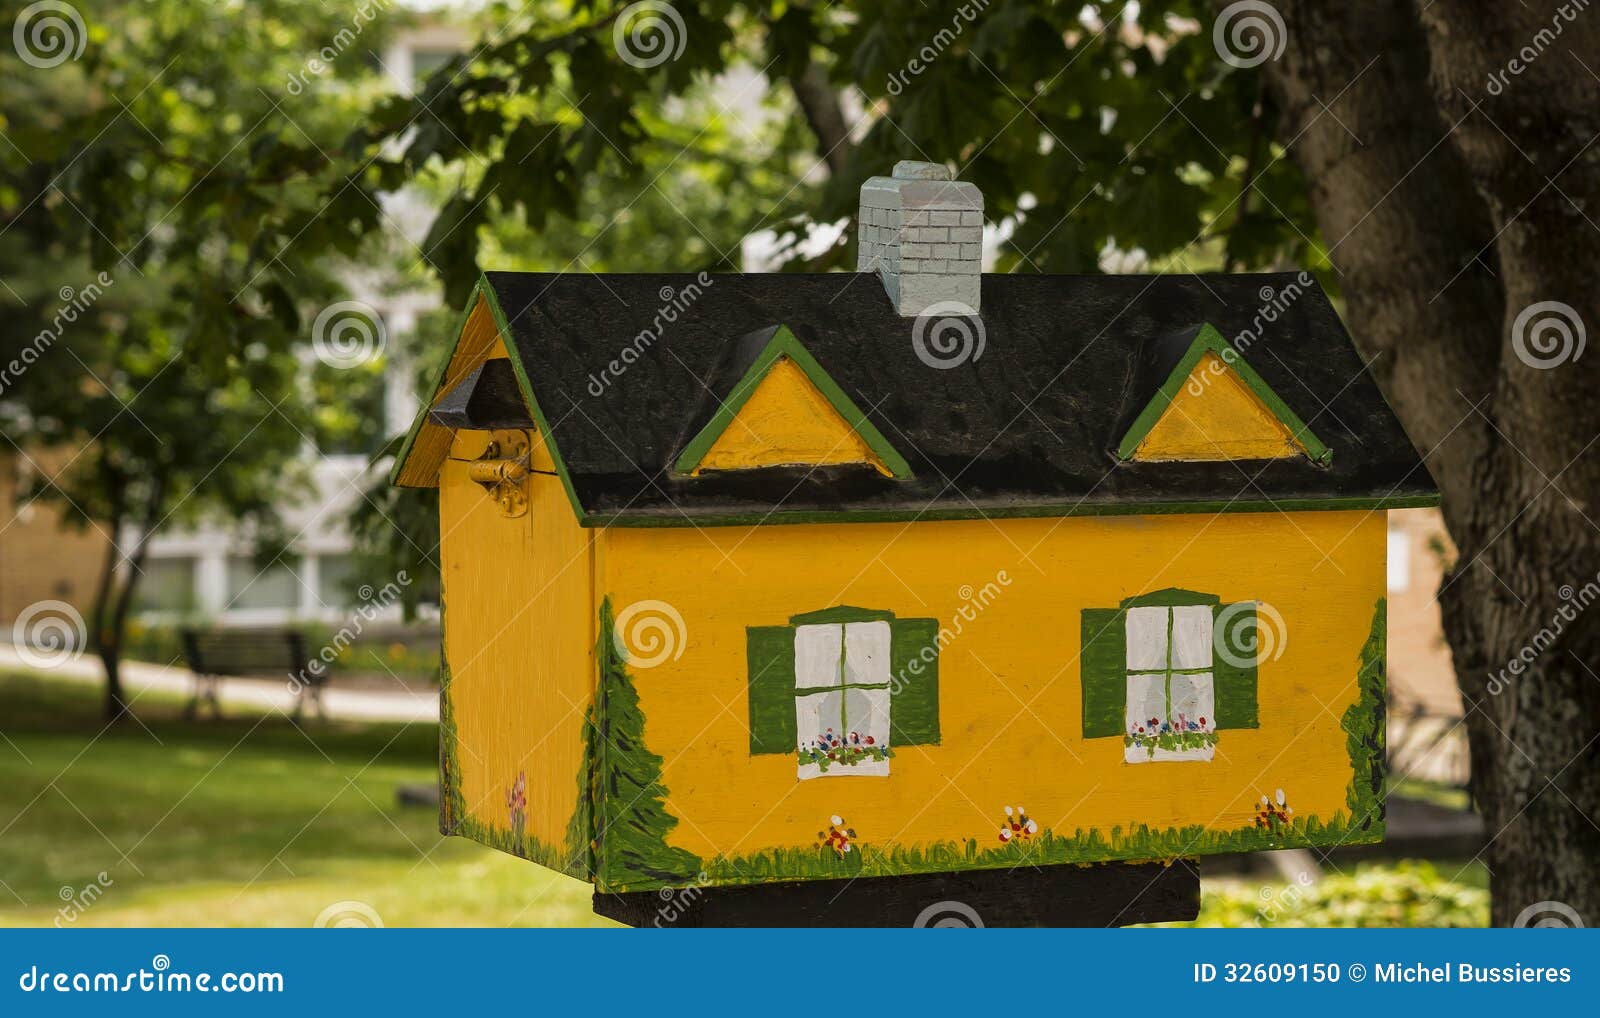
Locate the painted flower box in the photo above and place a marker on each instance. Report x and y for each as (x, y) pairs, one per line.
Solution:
(1158, 740)
(854, 754)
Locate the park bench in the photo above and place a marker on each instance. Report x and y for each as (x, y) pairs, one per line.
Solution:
(218, 653)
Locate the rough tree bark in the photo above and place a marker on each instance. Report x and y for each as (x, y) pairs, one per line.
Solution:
(1529, 146)
(1443, 226)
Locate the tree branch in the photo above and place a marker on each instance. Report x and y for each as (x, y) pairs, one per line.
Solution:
(820, 104)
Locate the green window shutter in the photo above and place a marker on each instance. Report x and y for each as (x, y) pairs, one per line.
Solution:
(770, 656)
(914, 682)
(1235, 679)
(1103, 665)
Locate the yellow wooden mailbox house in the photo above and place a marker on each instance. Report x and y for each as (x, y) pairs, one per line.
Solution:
(774, 579)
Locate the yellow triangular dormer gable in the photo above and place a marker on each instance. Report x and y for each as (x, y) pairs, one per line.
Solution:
(786, 411)
(787, 422)
(1213, 406)
(1215, 416)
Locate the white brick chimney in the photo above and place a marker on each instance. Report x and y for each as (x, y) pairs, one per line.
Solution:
(922, 232)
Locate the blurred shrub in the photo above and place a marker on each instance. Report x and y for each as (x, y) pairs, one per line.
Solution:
(1401, 894)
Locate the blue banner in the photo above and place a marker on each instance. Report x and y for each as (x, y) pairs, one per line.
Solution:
(176, 972)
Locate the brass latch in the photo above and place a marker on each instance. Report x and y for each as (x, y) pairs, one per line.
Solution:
(503, 471)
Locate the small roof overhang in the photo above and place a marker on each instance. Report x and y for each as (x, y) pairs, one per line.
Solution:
(488, 399)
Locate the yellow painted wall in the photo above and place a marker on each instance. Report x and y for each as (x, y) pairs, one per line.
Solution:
(1009, 689)
(519, 629)
(1215, 416)
(787, 421)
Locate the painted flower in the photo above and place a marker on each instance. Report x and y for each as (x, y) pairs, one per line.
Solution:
(1017, 826)
(517, 802)
(838, 837)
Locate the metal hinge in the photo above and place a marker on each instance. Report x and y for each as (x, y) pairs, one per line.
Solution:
(503, 471)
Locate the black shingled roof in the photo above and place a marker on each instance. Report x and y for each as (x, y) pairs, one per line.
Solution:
(1029, 428)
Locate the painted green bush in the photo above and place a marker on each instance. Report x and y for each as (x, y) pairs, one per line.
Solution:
(631, 818)
(1365, 725)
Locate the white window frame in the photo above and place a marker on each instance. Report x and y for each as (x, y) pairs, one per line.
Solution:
(1166, 645)
(843, 667)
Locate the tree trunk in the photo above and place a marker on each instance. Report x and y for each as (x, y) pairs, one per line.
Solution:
(823, 113)
(106, 645)
(111, 659)
(1441, 236)
(1527, 138)
(116, 626)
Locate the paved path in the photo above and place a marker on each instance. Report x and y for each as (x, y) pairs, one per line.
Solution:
(252, 694)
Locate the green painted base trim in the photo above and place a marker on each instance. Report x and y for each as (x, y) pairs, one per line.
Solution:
(780, 517)
(527, 847)
(1136, 844)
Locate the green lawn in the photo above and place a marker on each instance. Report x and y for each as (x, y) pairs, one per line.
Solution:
(253, 822)
(243, 822)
